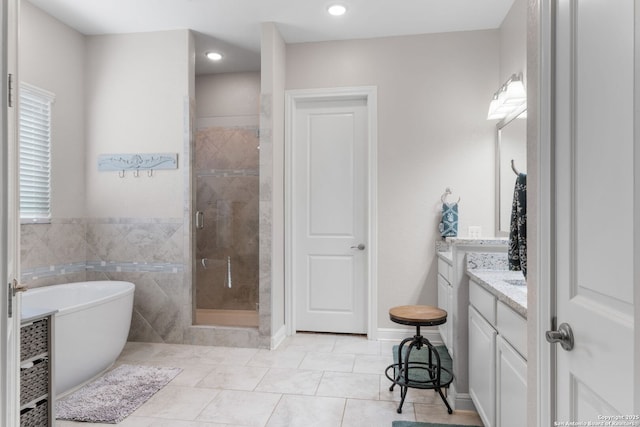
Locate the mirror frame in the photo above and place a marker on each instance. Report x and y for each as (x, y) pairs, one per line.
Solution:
(499, 127)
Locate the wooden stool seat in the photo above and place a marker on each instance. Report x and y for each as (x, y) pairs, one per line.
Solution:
(418, 315)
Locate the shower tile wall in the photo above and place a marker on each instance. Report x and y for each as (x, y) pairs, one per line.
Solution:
(227, 192)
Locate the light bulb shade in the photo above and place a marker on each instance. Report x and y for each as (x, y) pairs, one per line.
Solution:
(214, 56)
(493, 110)
(510, 98)
(337, 10)
(515, 93)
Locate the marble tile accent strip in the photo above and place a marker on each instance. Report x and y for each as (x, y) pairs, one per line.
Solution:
(135, 267)
(28, 275)
(32, 274)
(228, 172)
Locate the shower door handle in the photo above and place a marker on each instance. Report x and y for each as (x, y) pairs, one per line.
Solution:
(199, 220)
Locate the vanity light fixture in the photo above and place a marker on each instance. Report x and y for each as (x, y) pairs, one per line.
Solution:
(511, 97)
(214, 56)
(337, 10)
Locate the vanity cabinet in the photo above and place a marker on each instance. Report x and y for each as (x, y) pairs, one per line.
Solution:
(453, 296)
(482, 366)
(497, 368)
(511, 385)
(36, 370)
(445, 302)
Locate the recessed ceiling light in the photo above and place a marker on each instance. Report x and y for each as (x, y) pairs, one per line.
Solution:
(214, 56)
(337, 10)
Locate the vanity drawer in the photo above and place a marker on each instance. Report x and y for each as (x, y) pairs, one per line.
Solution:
(483, 301)
(513, 328)
(444, 269)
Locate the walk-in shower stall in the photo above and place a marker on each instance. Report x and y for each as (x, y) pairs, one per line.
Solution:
(226, 172)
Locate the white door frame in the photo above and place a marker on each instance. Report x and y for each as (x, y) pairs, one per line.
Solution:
(9, 227)
(541, 62)
(540, 101)
(292, 97)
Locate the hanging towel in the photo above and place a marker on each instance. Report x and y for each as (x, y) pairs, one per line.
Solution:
(518, 233)
(449, 224)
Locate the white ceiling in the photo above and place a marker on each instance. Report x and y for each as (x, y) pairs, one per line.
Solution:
(233, 26)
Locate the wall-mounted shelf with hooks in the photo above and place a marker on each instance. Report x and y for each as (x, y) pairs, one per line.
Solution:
(136, 162)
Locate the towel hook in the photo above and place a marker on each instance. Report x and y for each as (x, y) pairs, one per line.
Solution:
(447, 192)
(513, 167)
(121, 174)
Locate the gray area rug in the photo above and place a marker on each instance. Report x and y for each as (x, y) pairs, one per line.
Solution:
(115, 395)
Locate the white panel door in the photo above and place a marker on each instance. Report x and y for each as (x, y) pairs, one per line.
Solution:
(329, 185)
(10, 305)
(594, 217)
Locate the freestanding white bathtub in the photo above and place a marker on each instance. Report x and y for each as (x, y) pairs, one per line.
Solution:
(90, 328)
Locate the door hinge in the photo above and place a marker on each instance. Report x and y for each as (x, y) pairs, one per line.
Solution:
(13, 288)
(10, 90)
(10, 300)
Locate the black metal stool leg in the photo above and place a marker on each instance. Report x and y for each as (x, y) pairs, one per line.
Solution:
(446, 402)
(400, 347)
(403, 394)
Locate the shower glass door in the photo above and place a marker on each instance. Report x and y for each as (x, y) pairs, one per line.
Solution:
(227, 225)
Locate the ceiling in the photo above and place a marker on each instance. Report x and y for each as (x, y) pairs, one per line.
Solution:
(233, 26)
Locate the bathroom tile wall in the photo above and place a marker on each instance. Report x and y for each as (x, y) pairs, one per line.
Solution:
(147, 252)
(53, 253)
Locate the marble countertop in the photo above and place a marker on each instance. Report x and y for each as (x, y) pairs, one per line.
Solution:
(497, 282)
(486, 241)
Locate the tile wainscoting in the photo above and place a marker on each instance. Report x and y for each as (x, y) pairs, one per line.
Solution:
(149, 252)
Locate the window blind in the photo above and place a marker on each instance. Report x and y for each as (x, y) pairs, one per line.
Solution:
(35, 153)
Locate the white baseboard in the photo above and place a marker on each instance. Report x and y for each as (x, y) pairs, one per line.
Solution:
(460, 401)
(278, 337)
(394, 334)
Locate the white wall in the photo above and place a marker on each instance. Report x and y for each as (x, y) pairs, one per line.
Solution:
(135, 101)
(228, 95)
(433, 95)
(513, 42)
(273, 69)
(52, 58)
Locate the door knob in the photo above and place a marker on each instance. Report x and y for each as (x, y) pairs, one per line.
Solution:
(564, 335)
(360, 247)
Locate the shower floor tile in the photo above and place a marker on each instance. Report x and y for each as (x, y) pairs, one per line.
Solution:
(311, 379)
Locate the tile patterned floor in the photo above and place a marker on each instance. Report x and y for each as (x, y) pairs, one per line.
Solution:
(310, 380)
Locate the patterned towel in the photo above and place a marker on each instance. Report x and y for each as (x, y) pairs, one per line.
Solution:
(449, 224)
(518, 233)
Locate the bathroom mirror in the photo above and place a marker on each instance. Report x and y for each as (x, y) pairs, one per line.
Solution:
(511, 146)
